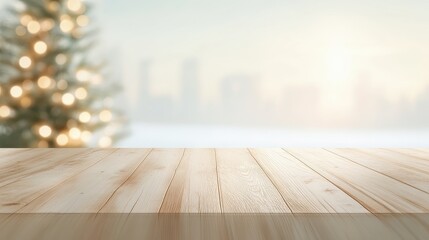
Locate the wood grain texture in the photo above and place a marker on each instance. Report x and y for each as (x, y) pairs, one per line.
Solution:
(89, 190)
(214, 181)
(404, 170)
(377, 192)
(244, 187)
(194, 188)
(417, 153)
(144, 191)
(304, 189)
(25, 187)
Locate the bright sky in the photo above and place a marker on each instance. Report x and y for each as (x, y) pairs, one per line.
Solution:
(327, 43)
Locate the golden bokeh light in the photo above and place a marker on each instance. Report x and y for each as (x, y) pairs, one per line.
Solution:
(82, 20)
(25, 19)
(68, 99)
(33, 27)
(85, 117)
(74, 133)
(61, 59)
(45, 131)
(62, 84)
(74, 5)
(105, 116)
(16, 91)
(83, 75)
(40, 47)
(47, 24)
(44, 82)
(66, 25)
(81, 93)
(5, 111)
(62, 139)
(25, 62)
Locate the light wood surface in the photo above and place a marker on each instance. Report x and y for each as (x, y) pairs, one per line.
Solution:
(214, 181)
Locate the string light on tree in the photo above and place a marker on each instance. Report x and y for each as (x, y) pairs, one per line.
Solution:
(16, 91)
(5, 111)
(68, 99)
(62, 139)
(105, 116)
(84, 117)
(44, 82)
(25, 62)
(81, 93)
(40, 47)
(83, 75)
(54, 97)
(45, 131)
(74, 5)
(75, 133)
(33, 27)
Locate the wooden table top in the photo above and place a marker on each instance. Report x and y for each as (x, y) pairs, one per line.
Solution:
(214, 180)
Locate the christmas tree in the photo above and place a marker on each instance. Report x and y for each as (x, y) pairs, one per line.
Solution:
(52, 92)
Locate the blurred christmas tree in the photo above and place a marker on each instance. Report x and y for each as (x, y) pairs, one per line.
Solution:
(51, 93)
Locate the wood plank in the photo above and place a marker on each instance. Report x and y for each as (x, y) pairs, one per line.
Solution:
(244, 187)
(27, 188)
(11, 152)
(194, 188)
(412, 162)
(377, 192)
(32, 162)
(404, 171)
(304, 190)
(414, 152)
(88, 191)
(144, 191)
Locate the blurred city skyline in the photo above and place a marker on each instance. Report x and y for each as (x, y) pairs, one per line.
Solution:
(309, 63)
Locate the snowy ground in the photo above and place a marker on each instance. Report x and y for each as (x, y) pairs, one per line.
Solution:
(152, 135)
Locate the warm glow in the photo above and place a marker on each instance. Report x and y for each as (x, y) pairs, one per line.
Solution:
(74, 133)
(86, 136)
(97, 79)
(57, 97)
(83, 75)
(105, 116)
(66, 25)
(74, 5)
(62, 139)
(26, 102)
(16, 91)
(68, 99)
(33, 27)
(82, 20)
(25, 62)
(45, 131)
(20, 31)
(61, 59)
(84, 117)
(5, 111)
(105, 142)
(25, 19)
(62, 84)
(47, 24)
(40, 47)
(44, 82)
(81, 93)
